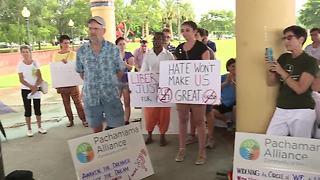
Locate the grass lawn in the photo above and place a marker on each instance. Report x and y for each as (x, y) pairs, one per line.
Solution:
(225, 49)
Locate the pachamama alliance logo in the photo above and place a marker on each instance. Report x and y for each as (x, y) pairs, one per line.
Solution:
(85, 152)
(250, 149)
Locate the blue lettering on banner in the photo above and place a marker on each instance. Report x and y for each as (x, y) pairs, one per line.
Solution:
(121, 163)
(122, 170)
(90, 174)
(297, 177)
(248, 171)
(275, 175)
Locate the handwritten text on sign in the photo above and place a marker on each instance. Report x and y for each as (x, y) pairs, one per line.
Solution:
(119, 153)
(190, 81)
(144, 89)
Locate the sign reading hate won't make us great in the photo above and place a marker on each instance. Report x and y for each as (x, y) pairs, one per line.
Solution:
(119, 153)
(190, 82)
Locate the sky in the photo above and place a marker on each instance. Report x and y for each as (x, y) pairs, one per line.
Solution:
(203, 6)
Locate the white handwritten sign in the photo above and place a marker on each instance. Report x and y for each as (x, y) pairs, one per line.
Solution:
(64, 75)
(144, 89)
(190, 81)
(119, 153)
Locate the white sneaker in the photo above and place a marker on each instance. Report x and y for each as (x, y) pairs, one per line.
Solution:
(42, 131)
(29, 133)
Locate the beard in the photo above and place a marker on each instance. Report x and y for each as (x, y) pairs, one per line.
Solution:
(96, 39)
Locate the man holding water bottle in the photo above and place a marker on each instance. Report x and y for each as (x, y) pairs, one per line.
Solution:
(295, 72)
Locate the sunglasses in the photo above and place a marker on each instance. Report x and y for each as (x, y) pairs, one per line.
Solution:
(288, 37)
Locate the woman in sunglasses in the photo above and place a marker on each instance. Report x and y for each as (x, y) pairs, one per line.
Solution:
(191, 50)
(294, 71)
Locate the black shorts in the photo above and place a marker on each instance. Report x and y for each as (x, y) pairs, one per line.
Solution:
(222, 108)
(27, 104)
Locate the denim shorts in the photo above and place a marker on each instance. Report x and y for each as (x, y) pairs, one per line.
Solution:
(112, 113)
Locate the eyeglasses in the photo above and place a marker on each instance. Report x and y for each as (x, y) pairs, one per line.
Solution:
(289, 37)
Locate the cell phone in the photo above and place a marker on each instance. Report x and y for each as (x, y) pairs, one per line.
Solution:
(269, 54)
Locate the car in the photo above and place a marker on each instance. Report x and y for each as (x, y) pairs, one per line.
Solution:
(4, 45)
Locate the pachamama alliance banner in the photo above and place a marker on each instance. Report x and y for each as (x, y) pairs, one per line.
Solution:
(259, 157)
(144, 89)
(190, 82)
(119, 153)
(64, 75)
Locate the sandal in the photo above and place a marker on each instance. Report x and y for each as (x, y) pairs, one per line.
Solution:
(180, 155)
(85, 124)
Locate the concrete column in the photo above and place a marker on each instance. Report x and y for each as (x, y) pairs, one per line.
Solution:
(259, 24)
(105, 9)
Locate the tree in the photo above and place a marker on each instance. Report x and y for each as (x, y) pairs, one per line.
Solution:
(148, 14)
(175, 12)
(186, 11)
(48, 18)
(219, 22)
(139, 16)
(309, 15)
(169, 13)
(125, 16)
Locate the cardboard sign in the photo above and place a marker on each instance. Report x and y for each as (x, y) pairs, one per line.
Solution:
(258, 156)
(64, 75)
(144, 89)
(119, 153)
(190, 82)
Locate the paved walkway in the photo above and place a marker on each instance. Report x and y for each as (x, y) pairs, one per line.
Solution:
(49, 158)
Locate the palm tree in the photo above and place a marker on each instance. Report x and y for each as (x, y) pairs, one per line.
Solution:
(169, 12)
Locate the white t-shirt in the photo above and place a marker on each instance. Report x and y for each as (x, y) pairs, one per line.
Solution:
(28, 72)
(314, 52)
(151, 62)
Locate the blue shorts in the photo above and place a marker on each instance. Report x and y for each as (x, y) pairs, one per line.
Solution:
(111, 113)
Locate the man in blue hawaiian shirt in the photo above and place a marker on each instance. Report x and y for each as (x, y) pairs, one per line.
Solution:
(100, 65)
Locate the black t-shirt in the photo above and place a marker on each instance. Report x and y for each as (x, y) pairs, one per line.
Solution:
(195, 53)
(287, 98)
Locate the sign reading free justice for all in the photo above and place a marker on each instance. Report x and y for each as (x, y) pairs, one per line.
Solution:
(119, 153)
(190, 81)
(259, 156)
